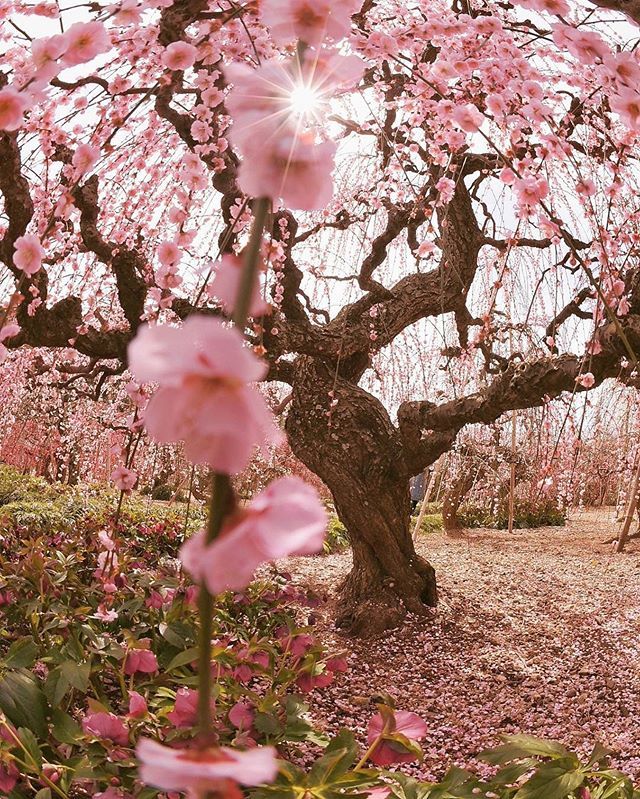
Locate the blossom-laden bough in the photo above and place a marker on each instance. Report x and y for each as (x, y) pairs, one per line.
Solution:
(175, 112)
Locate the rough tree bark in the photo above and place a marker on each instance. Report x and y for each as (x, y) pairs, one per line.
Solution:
(357, 451)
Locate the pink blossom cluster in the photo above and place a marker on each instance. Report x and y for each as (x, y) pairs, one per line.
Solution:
(275, 107)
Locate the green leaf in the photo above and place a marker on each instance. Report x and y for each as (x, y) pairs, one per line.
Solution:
(23, 702)
(551, 781)
(56, 686)
(43, 793)
(182, 658)
(65, 730)
(76, 674)
(30, 744)
(519, 746)
(22, 653)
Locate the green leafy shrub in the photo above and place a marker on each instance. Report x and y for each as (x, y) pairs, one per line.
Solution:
(527, 514)
(337, 538)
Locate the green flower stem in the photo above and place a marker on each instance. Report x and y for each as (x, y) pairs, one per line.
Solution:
(222, 490)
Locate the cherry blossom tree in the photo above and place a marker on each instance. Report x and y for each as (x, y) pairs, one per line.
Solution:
(401, 162)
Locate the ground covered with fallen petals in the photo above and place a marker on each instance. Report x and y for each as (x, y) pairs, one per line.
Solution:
(537, 632)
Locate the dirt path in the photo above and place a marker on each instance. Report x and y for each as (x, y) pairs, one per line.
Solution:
(538, 632)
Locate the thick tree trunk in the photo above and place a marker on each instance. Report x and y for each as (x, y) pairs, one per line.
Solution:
(356, 450)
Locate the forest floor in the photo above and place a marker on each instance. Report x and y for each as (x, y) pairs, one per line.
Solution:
(536, 632)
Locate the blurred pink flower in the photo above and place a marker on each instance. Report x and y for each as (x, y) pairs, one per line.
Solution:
(287, 518)
(226, 284)
(294, 169)
(311, 21)
(13, 105)
(106, 725)
(124, 478)
(84, 41)
(205, 397)
(28, 254)
(389, 751)
(199, 770)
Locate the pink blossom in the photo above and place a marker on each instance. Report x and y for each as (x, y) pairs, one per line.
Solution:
(226, 284)
(586, 46)
(294, 169)
(84, 41)
(558, 7)
(179, 56)
(311, 21)
(124, 478)
(468, 117)
(45, 54)
(587, 380)
(29, 253)
(168, 253)
(140, 660)
(287, 518)
(446, 188)
(104, 614)
(426, 248)
(85, 158)
(106, 725)
(13, 105)
(530, 191)
(8, 331)
(627, 103)
(586, 187)
(309, 682)
(388, 750)
(205, 397)
(200, 770)
(137, 705)
(278, 96)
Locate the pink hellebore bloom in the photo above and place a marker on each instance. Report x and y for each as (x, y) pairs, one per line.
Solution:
(137, 705)
(29, 253)
(205, 397)
(8, 777)
(241, 715)
(311, 21)
(13, 105)
(226, 284)
(140, 660)
(287, 518)
(84, 41)
(197, 771)
(124, 478)
(179, 56)
(389, 751)
(185, 710)
(107, 726)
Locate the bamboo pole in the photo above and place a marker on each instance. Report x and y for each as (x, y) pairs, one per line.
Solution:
(631, 509)
(425, 502)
